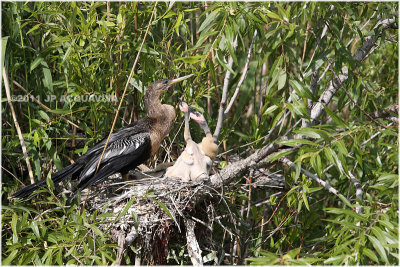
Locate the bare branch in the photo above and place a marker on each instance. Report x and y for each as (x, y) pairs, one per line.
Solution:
(224, 94)
(312, 176)
(246, 68)
(233, 170)
(327, 95)
(359, 191)
(192, 245)
(21, 139)
(370, 41)
(352, 39)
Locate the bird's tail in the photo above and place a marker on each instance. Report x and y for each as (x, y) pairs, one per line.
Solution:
(102, 174)
(56, 177)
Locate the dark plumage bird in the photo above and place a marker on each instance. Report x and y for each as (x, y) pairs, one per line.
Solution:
(126, 149)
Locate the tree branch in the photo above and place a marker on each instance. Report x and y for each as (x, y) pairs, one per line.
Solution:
(246, 68)
(327, 186)
(192, 245)
(21, 138)
(224, 94)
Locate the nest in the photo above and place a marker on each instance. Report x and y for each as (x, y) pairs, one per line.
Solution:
(146, 211)
(149, 211)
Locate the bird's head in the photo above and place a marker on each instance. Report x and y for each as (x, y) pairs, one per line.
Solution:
(183, 106)
(158, 87)
(197, 117)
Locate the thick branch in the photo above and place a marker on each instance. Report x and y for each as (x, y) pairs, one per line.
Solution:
(233, 170)
(192, 245)
(370, 41)
(326, 97)
(360, 55)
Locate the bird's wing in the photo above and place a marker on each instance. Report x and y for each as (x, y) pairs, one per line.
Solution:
(128, 151)
(130, 129)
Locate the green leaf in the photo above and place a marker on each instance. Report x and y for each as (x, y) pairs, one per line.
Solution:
(317, 64)
(223, 63)
(125, 210)
(281, 79)
(305, 200)
(346, 212)
(379, 235)
(8, 260)
(3, 50)
(273, 15)
(301, 90)
(191, 59)
(337, 260)
(62, 111)
(66, 55)
(310, 132)
(14, 221)
(345, 224)
(162, 205)
(178, 23)
(34, 28)
(48, 79)
(345, 201)
(379, 248)
(295, 142)
(276, 119)
(44, 115)
(36, 63)
(210, 18)
(335, 118)
(270, 109)
(278, 155)
(35, 229)
(370, 254)
(96, 229)
(50, 182)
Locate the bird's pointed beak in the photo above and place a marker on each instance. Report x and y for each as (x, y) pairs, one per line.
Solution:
(177, 80)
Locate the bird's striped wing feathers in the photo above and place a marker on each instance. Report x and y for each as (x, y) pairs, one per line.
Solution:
(119, 154)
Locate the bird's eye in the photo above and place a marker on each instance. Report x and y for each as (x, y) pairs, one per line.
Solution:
(166, 82)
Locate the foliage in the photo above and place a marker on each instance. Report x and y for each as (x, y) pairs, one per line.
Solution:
(71, 49)
(58, 236)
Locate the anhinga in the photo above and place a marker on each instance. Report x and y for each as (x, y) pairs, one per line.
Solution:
(126, 149)
(195, 161)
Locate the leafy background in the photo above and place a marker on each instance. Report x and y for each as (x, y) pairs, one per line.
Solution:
(82, 48)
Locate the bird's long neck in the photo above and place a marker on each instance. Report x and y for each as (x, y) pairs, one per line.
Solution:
(205, 128)
(163, 116)
(152, 103)
(187, 131)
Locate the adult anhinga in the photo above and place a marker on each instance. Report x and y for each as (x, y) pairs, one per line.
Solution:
(126, 149)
